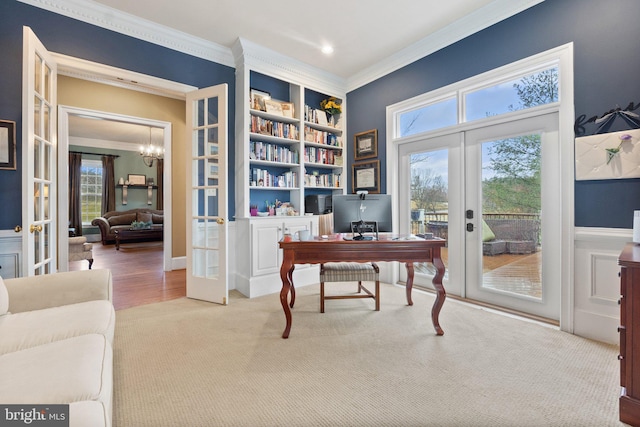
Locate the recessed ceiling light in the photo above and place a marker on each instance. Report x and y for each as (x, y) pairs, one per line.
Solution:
(327, 50)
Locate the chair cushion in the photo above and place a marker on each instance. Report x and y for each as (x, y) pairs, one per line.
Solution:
(28, 329)
(71, 370)
(348, 272)
(4, 298)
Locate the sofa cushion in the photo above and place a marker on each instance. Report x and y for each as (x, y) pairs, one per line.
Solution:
(71, 370)
(125, 219)
(4, 298)
(20, 331)
(144, 216)
(88, 413)
(157, 219)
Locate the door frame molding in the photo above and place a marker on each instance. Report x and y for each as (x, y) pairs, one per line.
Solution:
(92, 71)
(565, 109)
(64, 112)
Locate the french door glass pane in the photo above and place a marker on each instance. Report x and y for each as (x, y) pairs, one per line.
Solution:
(511, 208)
(430, 198)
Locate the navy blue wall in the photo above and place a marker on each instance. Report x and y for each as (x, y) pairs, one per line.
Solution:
(606, 63)
(74, 38)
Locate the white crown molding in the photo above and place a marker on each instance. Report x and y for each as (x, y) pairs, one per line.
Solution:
(267, 61)
(273, 62)
(123, 23)
(470, 24)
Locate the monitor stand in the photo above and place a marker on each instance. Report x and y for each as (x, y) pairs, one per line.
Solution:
(362, 227)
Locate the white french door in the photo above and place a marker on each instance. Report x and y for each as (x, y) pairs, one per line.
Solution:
(38, 158)
(207, 199)
(512, 199)
(494, 194)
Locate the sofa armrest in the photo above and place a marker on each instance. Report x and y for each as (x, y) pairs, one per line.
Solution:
(105, 228)
(53, 290)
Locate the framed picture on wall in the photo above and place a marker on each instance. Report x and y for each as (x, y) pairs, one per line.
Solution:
(366, 176)
(137, 179)
(366, 144)
(7, 145)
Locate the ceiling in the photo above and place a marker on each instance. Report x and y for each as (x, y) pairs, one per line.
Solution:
(363, 34)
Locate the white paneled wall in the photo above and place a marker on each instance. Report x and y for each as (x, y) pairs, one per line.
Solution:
(597, 284)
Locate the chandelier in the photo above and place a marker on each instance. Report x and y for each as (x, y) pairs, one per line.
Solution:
(151, 152)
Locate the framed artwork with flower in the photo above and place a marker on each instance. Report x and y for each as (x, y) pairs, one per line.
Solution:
(613, 155)
(365, 144)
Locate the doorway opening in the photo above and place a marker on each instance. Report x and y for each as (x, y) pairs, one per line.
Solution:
(100, 125)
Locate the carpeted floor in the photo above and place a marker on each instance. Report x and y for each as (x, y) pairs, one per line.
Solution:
(191, 363)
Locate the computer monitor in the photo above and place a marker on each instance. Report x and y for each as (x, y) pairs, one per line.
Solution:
(349, 208)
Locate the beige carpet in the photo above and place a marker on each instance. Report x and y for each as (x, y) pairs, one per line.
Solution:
(191, 363)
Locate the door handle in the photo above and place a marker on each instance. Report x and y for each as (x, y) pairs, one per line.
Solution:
(34, 228)
(220, 221)
(469, 227)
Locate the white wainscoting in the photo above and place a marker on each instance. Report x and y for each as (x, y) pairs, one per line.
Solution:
(597, 282)
(10, 253)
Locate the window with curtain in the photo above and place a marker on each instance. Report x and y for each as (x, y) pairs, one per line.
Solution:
(91, 190)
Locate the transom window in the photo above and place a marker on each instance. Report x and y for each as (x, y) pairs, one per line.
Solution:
(516, 91)
(91, 190)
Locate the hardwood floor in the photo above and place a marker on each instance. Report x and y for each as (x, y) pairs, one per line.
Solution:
(138, 278)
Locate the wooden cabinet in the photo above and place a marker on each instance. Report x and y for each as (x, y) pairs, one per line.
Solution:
(629, 329)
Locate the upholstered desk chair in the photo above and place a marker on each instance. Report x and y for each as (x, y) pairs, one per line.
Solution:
(347, 272)
(79, 249)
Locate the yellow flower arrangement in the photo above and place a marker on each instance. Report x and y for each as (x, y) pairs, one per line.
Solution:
(331, 105)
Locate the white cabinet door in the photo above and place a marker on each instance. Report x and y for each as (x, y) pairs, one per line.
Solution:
(265, 256)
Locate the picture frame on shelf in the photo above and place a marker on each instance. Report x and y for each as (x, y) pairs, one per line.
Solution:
(366, 176)
(258, 98)
(273, 107)
(288, 109)
(135, 179)
(365, 144)
(7, 145)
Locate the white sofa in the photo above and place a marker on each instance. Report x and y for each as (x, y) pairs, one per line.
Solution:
(56, 336)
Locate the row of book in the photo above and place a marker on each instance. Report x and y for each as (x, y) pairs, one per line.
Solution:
(321, 137)
(264, 178)
(272, 152)
(269, 127)
(322, 155)
(322, 180)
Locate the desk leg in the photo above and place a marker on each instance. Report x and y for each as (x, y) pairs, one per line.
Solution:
(286, 272)
(409, 286)
(441, 294)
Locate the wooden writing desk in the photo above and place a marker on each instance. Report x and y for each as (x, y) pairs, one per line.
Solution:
(336, 249)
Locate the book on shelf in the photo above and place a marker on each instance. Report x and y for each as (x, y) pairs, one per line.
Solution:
(272, 128)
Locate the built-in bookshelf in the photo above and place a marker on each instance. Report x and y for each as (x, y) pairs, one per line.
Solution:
(287, 146)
